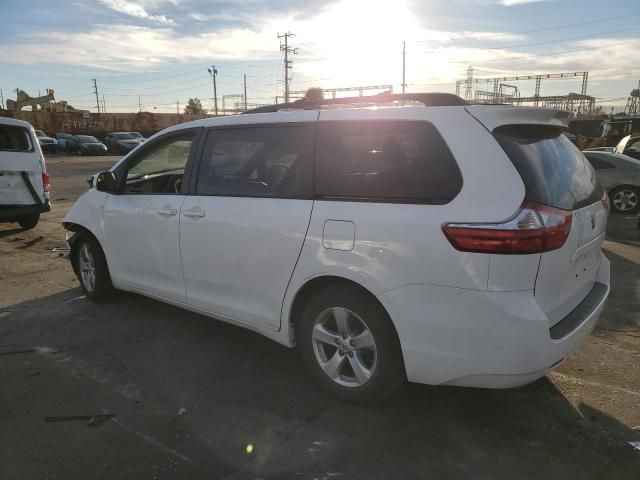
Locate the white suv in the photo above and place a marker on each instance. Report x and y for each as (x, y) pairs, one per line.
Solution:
(24, 182)
(411, 237)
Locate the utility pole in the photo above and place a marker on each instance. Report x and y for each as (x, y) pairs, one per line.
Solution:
(245, 91)
(1, 99)
(95, 90)
(139, 105)
(104, 105)
(288, 64)
(177, 106)
(214, 73)
(404, 64)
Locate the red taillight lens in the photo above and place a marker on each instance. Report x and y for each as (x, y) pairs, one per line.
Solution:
(534, 229)
(45, 181)
(605, 202)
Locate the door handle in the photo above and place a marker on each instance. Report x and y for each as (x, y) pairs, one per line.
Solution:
(194, 213)
(167, 211)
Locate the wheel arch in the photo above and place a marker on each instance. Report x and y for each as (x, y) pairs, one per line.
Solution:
(314, 285)
(79, 230)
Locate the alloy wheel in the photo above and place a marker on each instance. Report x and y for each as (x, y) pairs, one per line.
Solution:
(625, 200)
(344, 347)
(87, 267)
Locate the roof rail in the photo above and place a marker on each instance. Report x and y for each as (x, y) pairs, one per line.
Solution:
(427, 99)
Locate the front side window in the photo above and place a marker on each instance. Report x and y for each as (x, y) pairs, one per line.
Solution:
(253, 162)
(14, 139)
(385, 161)
(159, 167)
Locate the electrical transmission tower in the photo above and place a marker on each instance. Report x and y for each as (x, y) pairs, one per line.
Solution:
(95, 90)
(633, 102)
(288, 64)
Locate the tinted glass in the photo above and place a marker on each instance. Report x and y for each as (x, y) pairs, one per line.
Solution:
(87, 139)
(253, 162)
(598, 163)
(14, 139)
(386, 161)
(123, 136)
(554, 171)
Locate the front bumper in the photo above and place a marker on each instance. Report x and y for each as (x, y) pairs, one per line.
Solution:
(483, 339)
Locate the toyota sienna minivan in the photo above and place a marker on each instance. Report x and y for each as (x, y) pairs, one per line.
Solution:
(388, 238)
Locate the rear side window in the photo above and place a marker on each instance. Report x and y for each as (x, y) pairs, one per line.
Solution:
(265, 161)
(597, 163)
(385, 161)
(554, 171)
(14, 139)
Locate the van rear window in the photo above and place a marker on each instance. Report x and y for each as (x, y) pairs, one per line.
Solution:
(554, 171)
(14, 139)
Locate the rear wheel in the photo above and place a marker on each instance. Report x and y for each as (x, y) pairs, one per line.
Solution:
(29, 222)
(624, 199)
(349, 345)
(91, 268)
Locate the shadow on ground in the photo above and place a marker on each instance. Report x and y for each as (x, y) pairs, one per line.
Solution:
(144, 361)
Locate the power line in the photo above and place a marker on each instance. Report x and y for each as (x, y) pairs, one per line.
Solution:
(546, 29)
(546, 42)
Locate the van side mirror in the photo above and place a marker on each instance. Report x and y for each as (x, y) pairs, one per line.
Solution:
(106, 182)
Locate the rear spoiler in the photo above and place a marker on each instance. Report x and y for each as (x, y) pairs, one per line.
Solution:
(494, 116)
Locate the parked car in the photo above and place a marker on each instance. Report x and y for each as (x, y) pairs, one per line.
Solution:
(629, 145)
(24, 183)
(85, 145)
(600, 149)
(381, 242)
(121, 142)
(620, 176)
(138, 135)
(47, 144)
(62, 139)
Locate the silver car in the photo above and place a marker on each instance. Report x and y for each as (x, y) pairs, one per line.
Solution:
(620, 176)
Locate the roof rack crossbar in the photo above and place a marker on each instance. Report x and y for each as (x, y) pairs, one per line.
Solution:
(427, 99)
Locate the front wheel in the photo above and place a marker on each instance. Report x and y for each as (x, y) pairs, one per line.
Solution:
(350, 345)
(29, 222)
(90, 266)
(624, 199)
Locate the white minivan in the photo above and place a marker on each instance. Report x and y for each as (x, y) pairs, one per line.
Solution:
(391, 237)
(24, 182)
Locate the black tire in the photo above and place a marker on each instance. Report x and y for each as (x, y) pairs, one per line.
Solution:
(388, 370)
(635, 192)
(29, 222)
(102, 288)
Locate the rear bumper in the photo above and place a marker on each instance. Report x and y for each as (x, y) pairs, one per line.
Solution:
(485, 339)
(11, 213)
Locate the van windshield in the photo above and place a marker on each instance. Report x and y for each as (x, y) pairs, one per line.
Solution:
(554, 171)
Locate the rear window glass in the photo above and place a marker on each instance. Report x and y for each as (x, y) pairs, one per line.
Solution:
(554, 171)
(14, 139)
(385, 161)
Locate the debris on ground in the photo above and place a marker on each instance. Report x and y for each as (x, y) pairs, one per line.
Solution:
(94, 420)
(182, 411)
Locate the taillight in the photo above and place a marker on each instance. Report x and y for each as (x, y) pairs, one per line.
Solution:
(45, 181)
(534, 229)
(605, 202)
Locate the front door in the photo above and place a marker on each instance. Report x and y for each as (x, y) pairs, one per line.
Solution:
(242, 231)
(142, 224)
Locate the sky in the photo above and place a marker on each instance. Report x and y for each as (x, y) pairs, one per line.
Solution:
(154, 54)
